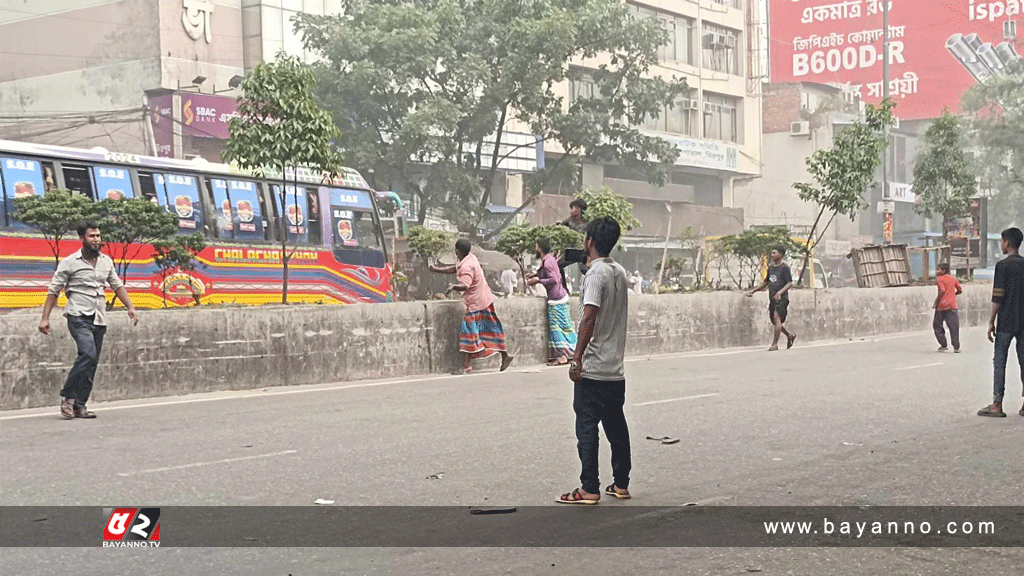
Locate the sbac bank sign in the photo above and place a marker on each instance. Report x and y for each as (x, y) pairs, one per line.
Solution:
(131, 528)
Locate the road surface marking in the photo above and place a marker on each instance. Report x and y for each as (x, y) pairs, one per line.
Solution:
(677, 399)
(198, 464)
(918, 366)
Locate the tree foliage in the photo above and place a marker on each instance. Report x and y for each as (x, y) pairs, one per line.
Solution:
(997, 109)
(749, 252)
(57, 214)
(843, 173)
(134, 223)
(604, 202)
(520, 240)
(280, 126)
(944, 176)
(428, 92)
(178, 255)
(429, 244)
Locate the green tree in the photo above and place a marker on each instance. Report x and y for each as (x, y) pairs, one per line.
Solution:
(944, 176)
(997, 109)
(178, 254)
(428, 92)
(281, 127)
(519, 240)
(56, 214)
(751, 249)
(604, 202)
(134, 223)
(842, 174)
(429, 244)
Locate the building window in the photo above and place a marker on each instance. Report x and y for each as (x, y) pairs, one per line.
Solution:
(898, 171)
(582, 87)
(680, 34)
(720, 117)
(730, 3)
(720, 49)
(675, 119)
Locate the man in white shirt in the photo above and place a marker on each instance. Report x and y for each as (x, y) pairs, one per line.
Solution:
(598, 367)
(509, 281)
(82, 276)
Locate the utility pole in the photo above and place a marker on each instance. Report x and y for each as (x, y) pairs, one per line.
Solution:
(887, 232)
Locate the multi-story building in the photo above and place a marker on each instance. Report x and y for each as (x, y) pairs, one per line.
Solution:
(717, 126)
(81, 72)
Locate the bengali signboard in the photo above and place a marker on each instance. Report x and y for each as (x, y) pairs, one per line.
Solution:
(162, 121)
(938, 50)
(707, 154)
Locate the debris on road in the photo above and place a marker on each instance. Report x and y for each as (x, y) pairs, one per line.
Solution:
(664, 440)
(477, 510)
(323, 502)
(437, 476)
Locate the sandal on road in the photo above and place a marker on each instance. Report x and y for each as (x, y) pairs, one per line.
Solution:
(462, 371)
(773, 349)
(988, 411)
(1021, 412)
(575, 497)
(617, 492)
(789, 341)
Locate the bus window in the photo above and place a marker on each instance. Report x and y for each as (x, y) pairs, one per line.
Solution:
(21, 178)
(183, 199)
(315, 231)
(77, 179)
(112, 183)
(49, 180)
(247, 210)
(151, 187)
(297, 221)
(222, 208)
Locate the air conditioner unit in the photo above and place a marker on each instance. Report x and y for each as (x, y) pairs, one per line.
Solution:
(800, 129)
(694, 105)
(730, 41)
(720, 39)
(1010, 30)
(709, 40)
(895, 123)
(709, 108)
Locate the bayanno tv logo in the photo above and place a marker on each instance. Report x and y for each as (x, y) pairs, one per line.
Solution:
(131, 528)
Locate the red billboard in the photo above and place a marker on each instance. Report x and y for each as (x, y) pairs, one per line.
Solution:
(938, 48)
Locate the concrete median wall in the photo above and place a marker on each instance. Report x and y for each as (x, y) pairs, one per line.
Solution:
(182, 351)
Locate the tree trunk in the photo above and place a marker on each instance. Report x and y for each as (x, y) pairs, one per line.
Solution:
(807, 250)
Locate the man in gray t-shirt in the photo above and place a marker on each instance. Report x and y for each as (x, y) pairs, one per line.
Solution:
(597, 367)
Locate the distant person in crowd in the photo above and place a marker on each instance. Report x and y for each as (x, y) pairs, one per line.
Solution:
(82, 277)
(509, 281)
(561, 334)
(598, 368)
(778, 281)
(1008, 311)
(946, 309)
(482, 334)
(637, 281)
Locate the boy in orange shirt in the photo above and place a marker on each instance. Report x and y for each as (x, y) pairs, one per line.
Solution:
(945, 309)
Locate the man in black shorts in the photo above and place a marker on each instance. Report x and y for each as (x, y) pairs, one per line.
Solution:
(778, 281)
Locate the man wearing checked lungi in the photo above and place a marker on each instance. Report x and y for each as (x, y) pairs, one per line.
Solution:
(481, 335)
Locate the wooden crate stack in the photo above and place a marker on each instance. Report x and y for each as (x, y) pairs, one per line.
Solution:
(882, 266)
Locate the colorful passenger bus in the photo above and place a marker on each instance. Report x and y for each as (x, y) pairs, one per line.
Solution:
(340, 257)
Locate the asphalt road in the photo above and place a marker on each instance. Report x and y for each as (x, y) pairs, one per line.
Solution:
(885, 421)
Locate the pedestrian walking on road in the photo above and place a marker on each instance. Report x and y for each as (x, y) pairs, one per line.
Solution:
(482, 334)
(1008, 310)
(946, 309)
(561, 334)
(82, 276)
(598, 368)
(778, 281)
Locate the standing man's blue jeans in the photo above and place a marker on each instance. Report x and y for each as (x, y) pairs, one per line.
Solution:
(89, 339)
(999, 362)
